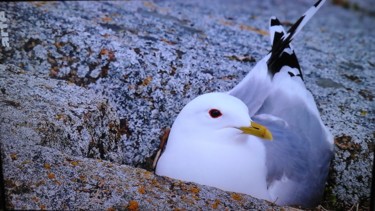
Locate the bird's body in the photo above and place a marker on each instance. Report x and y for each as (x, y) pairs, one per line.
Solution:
(214, 142)
(201, 158)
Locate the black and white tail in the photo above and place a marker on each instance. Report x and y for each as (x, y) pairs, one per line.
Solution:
(282, 54)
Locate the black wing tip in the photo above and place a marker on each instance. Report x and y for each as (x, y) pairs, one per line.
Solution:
(281, 43)
(294, 27)
(274, 21)
(317, 3)
(289, 60)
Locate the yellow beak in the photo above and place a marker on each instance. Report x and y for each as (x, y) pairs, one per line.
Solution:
(258, 130)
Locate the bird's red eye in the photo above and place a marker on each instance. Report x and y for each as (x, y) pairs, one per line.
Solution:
(214, 113)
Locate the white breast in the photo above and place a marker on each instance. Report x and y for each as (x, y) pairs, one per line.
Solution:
(236, 165)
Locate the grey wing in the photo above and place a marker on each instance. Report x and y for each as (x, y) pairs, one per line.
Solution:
(297, 162)
(283, 66)
(298, 159)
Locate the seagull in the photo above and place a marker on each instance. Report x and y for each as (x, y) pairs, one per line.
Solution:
(264, 137)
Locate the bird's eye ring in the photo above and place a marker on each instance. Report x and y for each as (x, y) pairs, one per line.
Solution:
(215, 113)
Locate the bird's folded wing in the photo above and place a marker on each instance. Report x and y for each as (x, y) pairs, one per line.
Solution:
(297, 161)
(298, 157)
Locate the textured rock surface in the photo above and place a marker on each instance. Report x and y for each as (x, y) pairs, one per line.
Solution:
(59, 115)
(40, 117)
(83, 81)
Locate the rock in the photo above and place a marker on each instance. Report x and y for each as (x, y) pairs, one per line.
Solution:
(58, 114)
(47, 161)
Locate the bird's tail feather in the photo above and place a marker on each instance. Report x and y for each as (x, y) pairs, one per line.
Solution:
(282, 54)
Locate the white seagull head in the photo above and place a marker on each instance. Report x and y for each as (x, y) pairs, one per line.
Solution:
(215, 113)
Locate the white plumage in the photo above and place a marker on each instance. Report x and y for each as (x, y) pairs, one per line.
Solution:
(213, 151)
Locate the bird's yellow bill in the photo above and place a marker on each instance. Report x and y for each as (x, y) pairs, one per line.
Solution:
(258, 130)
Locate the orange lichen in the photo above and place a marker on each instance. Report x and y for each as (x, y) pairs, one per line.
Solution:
(42, 207)
(345, 142)
(216, 204)
(236, 196)
(111, 209)
(106, 19)
(194, 190)
(241, 58)
(111, 56)
(13, 156)
(82, 177)
(74, 163)
(58, 45)
(61, 117)
(57, 182)
(39, 183)
(363, 112)
(141, 190)
(54, 71)
(169, 42)
(47, 166)
(244, 27)
(227, 23)
(51, 176)
(103, 51)
(155, 183)
(106, 35)
(110, 53)
(147, 81)
(253, 29)
(35, 199)
(148, 174)
(101, 183)
(39, 3)
(133, 205)
(150, 5)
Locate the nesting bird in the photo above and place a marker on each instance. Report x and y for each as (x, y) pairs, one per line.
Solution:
(264, 137)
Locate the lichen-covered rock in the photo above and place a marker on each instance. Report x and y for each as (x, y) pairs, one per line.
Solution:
(44, 120)
(101, 80)
(38, 177)
(59, 115)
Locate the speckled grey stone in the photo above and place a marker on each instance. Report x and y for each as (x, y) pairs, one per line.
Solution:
(59, 115)
(89, 80)
(48, 128)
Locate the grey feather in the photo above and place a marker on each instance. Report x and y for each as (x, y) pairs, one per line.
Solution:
(302, 148)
